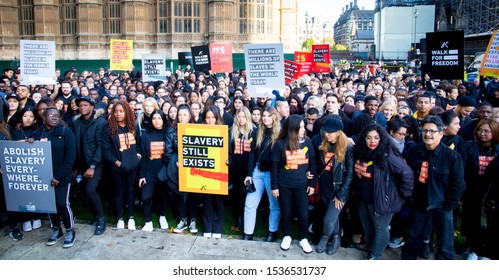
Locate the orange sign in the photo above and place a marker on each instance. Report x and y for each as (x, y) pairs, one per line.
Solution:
(321, 58)
(121, 54)
(490, 61)
(203, 153)
(423, 174)
(306, 60)
(221, 57)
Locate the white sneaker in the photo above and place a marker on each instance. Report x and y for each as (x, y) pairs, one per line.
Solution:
(121, 224)
(131, 224)
(37, 224)
(286, 243)
(207, 234)
(27, 226)
(216, 235)
(163, 224)
(147, 227)
(472, 257)
(305, 246)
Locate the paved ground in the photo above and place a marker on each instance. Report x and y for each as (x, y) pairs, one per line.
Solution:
(158, 245)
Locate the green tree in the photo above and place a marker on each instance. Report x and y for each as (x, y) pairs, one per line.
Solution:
(338, 47)
(328, 40)
(307, 44)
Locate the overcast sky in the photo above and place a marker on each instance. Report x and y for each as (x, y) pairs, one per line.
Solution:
(331, 9)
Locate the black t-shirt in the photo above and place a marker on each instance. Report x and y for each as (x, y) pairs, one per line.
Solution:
(365, 182)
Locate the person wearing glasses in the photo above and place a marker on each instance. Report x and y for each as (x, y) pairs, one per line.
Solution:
(62, 141)
(480, 153)
(438, 188)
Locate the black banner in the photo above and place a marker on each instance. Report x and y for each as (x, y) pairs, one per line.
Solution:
(445, 55)
(185, 58)
(201, 57)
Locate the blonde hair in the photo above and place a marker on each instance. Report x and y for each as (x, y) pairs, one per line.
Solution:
(386, 103)
(341, 145)
(152, 101)
(276, 127)
(248, 127)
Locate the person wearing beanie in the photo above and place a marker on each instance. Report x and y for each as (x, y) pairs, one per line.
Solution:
(335, 166)
(464, 108)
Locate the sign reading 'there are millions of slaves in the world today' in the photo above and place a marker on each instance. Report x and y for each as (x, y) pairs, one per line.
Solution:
(202, 158)
(264, 68)
(27, 171)
(37, 62)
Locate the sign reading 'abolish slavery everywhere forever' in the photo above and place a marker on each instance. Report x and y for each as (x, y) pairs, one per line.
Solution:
(27, 171)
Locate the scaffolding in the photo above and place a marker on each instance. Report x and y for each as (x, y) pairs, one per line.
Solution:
(475, 17)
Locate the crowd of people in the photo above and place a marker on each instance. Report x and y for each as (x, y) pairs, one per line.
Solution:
(355, 157)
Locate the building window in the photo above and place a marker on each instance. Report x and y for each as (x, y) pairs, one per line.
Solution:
(112, 16)
(197, 26)
(243, 27)
(27, 17)
(187, 16)
(67, 14)
(178, 25)
(164, 21)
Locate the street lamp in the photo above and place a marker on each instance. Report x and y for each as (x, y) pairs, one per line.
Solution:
(415, 25)
(324, 33)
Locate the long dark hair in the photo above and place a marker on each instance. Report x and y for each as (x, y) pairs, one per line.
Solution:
(289, 132)
(364, 154)
(129, 118)
(216, 112)
(163, 117)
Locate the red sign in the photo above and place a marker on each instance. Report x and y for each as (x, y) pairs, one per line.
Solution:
(291, 70)
(321, 58)
(221, 57)
(306, 60)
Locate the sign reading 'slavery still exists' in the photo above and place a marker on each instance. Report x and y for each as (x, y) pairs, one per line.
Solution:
(27, 171)
(445, 55)
(264, 68)
(153, 67)
(203, 153)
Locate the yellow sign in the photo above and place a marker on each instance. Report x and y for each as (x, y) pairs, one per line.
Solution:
(490, 61)
(203, 151)
(121, 54)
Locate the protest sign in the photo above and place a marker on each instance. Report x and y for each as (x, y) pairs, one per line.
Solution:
(445, 55)
(27, 172)
(185, 58)
(201, 57)
(490, 61)
(221, 57)
(203, 153)
(264, 68)
(37, 62)
(321, 58)
(121, 54)
(153, 67)
(306, 60)
(291, 70)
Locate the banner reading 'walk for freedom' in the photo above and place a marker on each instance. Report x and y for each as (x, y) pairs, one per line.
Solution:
(445, 55)
(264, 68)
(203, 153)
(27, 172)
(37, 62)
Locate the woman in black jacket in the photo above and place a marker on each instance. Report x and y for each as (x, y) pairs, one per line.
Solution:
(259, 164)
(481, 152)
(120, 152)
(63, 144)
(153, 147)
(335, 164)
(384, 180)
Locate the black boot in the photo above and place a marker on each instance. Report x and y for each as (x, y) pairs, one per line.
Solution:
(101, 226)
(247, 236)
(334, 246)
(272, 237)
(321, 247)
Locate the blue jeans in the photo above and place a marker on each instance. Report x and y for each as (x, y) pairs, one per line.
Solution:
(331, 221)
(376, 227)
(444, 227)
(261, 180)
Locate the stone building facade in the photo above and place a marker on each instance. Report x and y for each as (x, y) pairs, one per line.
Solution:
(82, 29)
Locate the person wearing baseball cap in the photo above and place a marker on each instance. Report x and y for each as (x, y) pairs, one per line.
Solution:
(89, 126)
(13, 105)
